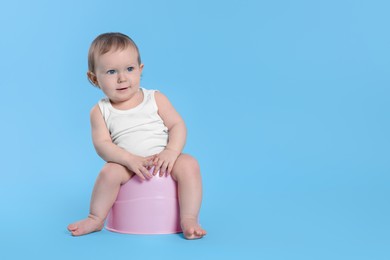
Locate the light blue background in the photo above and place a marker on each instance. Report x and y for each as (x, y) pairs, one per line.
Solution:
(287, 106)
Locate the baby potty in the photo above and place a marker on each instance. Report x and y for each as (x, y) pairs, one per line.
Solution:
(146, 207)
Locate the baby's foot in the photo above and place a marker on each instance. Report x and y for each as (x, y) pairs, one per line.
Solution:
(86, 226)
(191, 229)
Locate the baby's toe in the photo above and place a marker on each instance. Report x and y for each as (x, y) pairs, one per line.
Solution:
(72, 227)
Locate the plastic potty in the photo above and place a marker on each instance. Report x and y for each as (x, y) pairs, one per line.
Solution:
(146, 207)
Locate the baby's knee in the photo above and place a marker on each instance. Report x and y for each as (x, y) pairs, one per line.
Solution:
(192, 163)
(189, 164)
(112, 172)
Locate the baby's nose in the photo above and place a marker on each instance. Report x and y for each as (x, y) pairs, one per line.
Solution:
(121, 78)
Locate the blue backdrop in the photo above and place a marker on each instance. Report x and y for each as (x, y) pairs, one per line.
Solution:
(287, 106)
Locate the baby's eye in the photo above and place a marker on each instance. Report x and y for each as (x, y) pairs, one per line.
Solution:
(130, 69)
(111, 72)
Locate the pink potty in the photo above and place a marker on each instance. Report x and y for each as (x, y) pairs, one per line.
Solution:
(146, 207)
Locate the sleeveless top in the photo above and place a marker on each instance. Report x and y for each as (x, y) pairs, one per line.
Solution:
(139, 130)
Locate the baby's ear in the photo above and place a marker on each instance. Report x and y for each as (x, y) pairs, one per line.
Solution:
(92, 78)
(141, 67)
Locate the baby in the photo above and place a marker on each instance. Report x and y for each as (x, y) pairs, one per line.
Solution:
(133, 130)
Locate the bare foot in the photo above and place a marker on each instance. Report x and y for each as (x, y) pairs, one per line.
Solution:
(191, 229)
(86, 226)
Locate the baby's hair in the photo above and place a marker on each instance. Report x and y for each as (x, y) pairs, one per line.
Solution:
(106, 42)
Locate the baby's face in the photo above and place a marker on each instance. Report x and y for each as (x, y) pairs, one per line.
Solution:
(118, 74)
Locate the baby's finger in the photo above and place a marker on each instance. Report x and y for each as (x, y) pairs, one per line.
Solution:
(139, 174)
(150, 158)
(146, 173)
(155, 160)
(157, 168)
(163, 169)
(155, 171)
(148, 163)
(170, 167)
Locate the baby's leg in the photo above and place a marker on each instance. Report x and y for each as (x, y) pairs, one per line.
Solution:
(104, 194)
(187, 174)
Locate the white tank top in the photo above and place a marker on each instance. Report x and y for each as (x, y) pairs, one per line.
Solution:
(139, 130)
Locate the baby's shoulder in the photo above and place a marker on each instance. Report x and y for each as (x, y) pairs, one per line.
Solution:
(104, 101)
(95, 109)
(153, 94)
(101, 108)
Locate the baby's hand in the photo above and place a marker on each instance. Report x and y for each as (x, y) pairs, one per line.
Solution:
(141, 165)
(164, 161)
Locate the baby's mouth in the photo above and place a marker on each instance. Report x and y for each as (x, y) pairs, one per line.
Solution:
(122, 88)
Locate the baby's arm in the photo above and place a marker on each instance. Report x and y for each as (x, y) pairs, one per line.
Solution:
(177, 133)
(110, 152)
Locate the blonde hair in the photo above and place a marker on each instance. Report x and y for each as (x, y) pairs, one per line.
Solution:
(106, 42)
